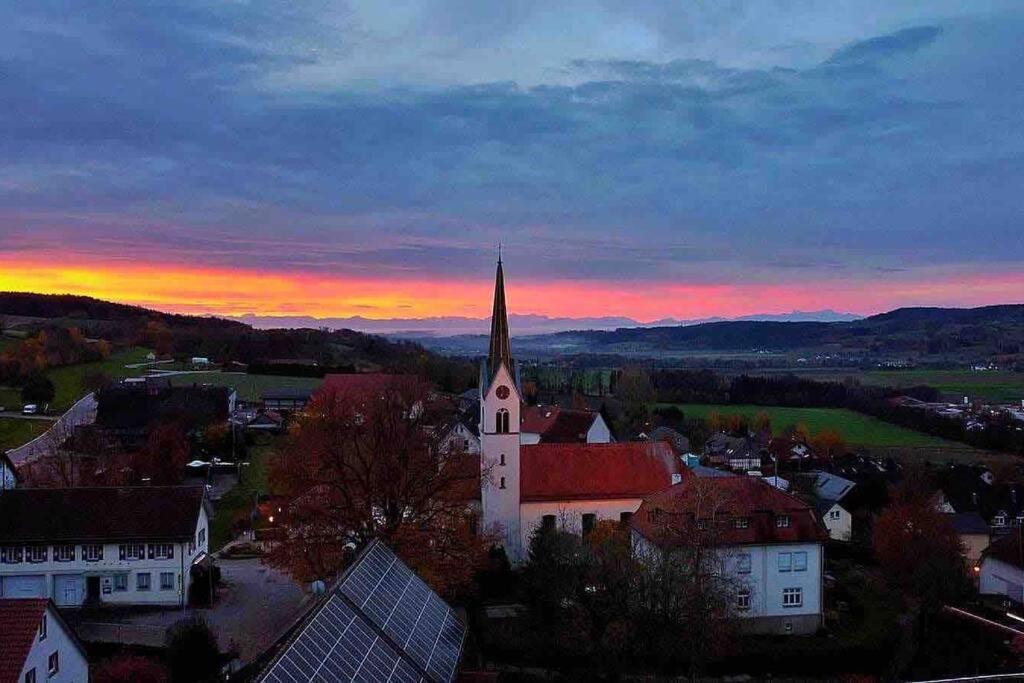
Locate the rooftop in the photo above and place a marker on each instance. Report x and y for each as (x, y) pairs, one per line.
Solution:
(20, 619)
(557, 425)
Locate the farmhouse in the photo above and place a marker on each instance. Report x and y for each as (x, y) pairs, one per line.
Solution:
(768, 543)
(36, 644)
(104, 545)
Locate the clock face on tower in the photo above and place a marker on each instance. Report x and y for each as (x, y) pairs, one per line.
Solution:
(502, 392)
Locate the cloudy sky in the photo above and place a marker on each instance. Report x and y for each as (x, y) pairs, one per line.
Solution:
(647, 158)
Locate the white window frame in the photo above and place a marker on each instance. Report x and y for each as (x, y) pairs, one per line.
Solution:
(163, 551)
(741, 523)
(138, 582)
(53, 663)
(88, 554)
(30, 675)
(42, 628)
(164, 575)
(133, 551)
(123, 576)
(37, 554)
(782, 522)
(793, 597)
(64, 552)
(743, 599)
(12, 554)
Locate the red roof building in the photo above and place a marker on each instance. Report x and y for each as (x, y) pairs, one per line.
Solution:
(36, 644)
(553, 424)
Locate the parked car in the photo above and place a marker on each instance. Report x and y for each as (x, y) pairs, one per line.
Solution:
(30, 409)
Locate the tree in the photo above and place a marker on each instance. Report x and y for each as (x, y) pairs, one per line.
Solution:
(165, 455)
(918, 548)
(763, 422)
(192, 652)
(828, 442)
(130, 669)
(360, 466)
(636, 392)
(95, 381)
(38, 389)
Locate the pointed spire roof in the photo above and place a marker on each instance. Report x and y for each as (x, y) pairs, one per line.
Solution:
(500, 350)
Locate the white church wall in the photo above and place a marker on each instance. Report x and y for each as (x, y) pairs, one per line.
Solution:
(569, 514)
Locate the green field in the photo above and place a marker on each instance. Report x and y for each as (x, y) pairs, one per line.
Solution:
(15, 432)
(856, 429)
(994, 385)
(249, 387)
(69, 380)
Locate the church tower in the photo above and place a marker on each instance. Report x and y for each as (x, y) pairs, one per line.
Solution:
(500, 403)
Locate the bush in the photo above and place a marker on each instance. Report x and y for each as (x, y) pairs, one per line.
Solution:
(38, 389)
(192, 652)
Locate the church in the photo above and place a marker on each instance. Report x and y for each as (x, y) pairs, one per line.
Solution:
(525, 484)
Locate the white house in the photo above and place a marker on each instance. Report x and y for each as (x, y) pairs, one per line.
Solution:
(836, 519)
(1002, 569)
(36, 645)
(574, 484)
(8, 474)
(770, 546)
(552, 424)
(103, 545)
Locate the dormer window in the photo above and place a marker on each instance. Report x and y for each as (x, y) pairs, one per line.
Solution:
(782, 522)
(741, 523)
(1000, 519)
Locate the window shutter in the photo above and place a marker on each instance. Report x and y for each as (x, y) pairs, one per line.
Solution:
(121, 551)
(151, 551)
(170, 551)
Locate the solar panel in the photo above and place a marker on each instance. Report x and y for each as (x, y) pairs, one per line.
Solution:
(381, 623)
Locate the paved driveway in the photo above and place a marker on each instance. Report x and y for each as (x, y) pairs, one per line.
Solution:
(254, 606)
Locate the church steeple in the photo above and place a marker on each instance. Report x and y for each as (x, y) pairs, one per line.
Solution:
(501, 347)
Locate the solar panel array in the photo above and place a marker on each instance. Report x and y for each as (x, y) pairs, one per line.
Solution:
(381, 623)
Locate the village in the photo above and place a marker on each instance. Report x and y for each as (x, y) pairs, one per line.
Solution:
(142, 532)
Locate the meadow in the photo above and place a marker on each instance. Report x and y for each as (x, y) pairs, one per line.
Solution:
(856, 429)
(15, 432)
(994, 385)
(249, 387)
(69, 380)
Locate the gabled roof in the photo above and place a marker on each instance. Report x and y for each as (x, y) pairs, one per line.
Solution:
(557, 425)
(100, 514)
(831, 486)
(20, 619)
(595, 471)
(969, 523)
(665, 517)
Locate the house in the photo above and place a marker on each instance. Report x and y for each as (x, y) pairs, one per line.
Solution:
(679, 442)
(552, 424)
(768, 543)
(8, 473)
(292, 400)
(459, 431)
(524, 485)
(1002, 569)
(974, 534)
(742, 454)
(836, 518)
(791, 453)
(37, 645)
(266, 421)
(103, 545)
(829, 490)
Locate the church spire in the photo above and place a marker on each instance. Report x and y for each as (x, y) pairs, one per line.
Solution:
(500, 347)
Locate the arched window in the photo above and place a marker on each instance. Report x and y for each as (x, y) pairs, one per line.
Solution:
(501, 421)
(502, 484)
(502, 460)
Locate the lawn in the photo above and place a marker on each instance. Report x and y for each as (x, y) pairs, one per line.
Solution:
(238, 502)
(15, 432)
(995, 385)
(69, 380)
(856, 429)
(249, 387)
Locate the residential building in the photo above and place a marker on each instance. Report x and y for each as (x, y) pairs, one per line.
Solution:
(103, 545)
(460, 431)
(291, 400)
(768, 543)
(836, 518)
(8, 473)
(552, 424)
(974, 534)
(1002, 569)
(37, 645)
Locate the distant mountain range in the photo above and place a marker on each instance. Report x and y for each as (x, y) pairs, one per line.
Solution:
(520, 324)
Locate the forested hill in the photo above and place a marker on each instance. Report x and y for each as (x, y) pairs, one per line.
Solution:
(84, 308)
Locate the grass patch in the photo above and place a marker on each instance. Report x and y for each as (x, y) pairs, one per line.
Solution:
(856, 429)
(994, 385)
(69, 380)
(15, 432)
(10, 398)
(237, 503)
(249, 387)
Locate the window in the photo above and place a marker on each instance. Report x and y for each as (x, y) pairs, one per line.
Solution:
(11, 554)
(782, 522)
(702, 524)
(132, 551)
(53, 664)
(743, 563)
(625, 518)
(741, 523)
(92, 553)
(833, 514)
(501, 461)
(792, 597)
(785, 562)
(501, 421)
(30, 675)
(120, 583)
(501, 484)
(799, 562)
(589, 521)
(999, 520)
(547, 523)
(166, 581)
(63, 553)
(142, 581)
(161, 551)
(42, 628)
(202, 536)
(743, 599)
(37, 553)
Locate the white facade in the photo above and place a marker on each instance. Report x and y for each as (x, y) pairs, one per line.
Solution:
(8, 480)
(598, 433)
(463, 438)
(70, 574)
(776, 587)
(55, 656)
(499, 459)
(568, 515)
(839, 522)
(1000, 578)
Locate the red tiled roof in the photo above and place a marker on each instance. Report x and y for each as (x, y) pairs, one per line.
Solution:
(20, 619)
(589, 471)
(557, 425)
(665, 517)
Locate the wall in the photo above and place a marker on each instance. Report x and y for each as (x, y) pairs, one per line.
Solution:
(501, 506)
(569, 515)
(1000, 578)
(73, 666)
(599, 432)
(838, 529)
(974, 545)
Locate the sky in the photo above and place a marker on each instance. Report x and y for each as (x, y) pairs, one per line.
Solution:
(641, 158)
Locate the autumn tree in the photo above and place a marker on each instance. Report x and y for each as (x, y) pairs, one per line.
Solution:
(828, 442)
(763, 422)
(635, 391)
(165, 454)
(365, 465)
(917, 546)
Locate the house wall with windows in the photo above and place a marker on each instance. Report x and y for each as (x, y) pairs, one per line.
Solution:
(1001, 578)
(142, 572)
(55, 656)
(569, 515)
(838, 521)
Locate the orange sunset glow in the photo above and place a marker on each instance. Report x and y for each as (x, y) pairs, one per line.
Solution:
(232, 292)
